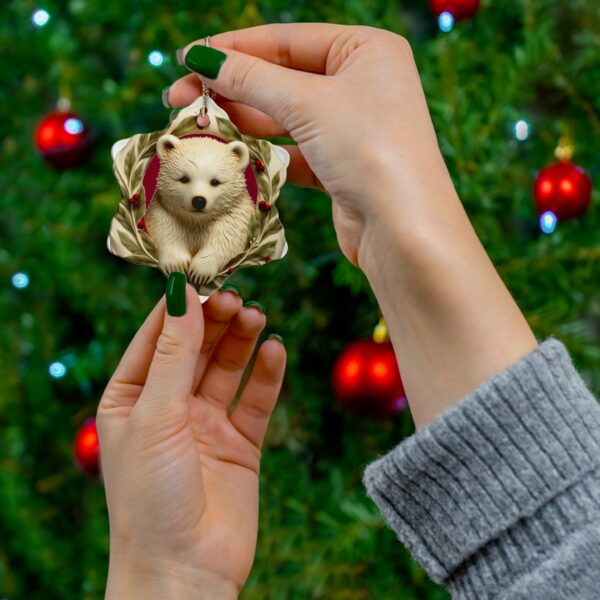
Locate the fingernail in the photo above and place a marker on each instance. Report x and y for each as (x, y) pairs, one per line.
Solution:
(179, 55)
(165, 97)
(227, 287)
(205, 60)
(176, 294)
(255, 304)
(275, 336)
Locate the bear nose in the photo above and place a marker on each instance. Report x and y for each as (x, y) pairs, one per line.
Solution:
(198, 202)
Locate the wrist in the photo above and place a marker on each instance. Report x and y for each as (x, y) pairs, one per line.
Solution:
(126, 580)
(452, 321)
(413, 205)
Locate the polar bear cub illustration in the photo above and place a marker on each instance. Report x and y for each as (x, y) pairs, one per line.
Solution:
(201, 214)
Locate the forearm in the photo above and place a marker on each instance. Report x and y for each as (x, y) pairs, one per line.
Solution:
(451, 319)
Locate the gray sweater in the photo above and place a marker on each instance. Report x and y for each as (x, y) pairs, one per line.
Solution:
(500, 496)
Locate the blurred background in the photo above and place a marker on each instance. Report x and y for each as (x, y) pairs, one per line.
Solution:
(507, 83)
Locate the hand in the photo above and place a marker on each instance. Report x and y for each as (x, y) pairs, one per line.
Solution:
(180, 467)
(351, 98)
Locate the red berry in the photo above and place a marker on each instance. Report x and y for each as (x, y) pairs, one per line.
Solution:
(135, 199)
(142, 225)
(267, 259)
(230, 270)
(259, 164)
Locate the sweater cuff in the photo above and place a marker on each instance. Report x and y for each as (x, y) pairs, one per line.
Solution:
(502, 454)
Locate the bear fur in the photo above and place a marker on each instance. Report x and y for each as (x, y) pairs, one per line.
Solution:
(201, 214)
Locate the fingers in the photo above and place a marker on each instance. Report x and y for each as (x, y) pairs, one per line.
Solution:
(276, 91)
(173, 366)
(253, 411)
(251, 121)
(247, 119)
(301, 46)
(185, 90)
(230, 357)
(218, 311)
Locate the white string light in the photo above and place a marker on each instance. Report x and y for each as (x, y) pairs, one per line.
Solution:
(20, 280)
(156, 58)
(522, 130)
(40, 17)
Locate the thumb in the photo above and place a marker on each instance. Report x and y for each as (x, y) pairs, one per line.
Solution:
(279, 92)
(171, 373)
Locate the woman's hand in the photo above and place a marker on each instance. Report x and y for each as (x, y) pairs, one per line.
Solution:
(350, 97)
(180, 467)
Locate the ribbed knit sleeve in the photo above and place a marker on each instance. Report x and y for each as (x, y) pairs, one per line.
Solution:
(500, 496)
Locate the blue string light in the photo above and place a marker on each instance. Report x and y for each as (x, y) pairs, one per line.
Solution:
(57, 370)
(446, 21)
(40, 17)
(156, 58)
(548, 222)
(73, 126)
(20, 280)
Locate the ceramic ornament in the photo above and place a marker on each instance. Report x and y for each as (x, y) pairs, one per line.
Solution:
(198, 197)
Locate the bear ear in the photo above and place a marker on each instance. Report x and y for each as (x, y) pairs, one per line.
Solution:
(166, 144)
(241, 152)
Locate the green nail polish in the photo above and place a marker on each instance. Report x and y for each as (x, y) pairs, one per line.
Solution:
(205, 60)
(255, 304)
(165, 97)
(275, 336)
(176, 294)
(227, 287)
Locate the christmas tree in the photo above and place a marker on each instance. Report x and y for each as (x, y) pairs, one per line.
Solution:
(503, 87)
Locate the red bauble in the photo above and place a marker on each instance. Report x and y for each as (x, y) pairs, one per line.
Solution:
(564, 189)
(87, 449)
(63, 140)
(459, 9)
(367, 381)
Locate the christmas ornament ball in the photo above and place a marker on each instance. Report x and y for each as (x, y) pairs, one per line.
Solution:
(366, 380)
(63, 140)
(459, 9)
(87, 448)
(563, 189)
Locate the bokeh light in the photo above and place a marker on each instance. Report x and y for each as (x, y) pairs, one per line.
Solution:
(156, 58)
(20, 280)
(73, 126)
(57, 370)
(446, 21)
(40, 17)
(548, 222)
(521, 130)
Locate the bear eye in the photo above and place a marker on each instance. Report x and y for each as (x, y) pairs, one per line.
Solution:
(184, 179)
(215, 182)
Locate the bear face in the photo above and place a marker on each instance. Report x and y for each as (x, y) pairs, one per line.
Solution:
(201, 177)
